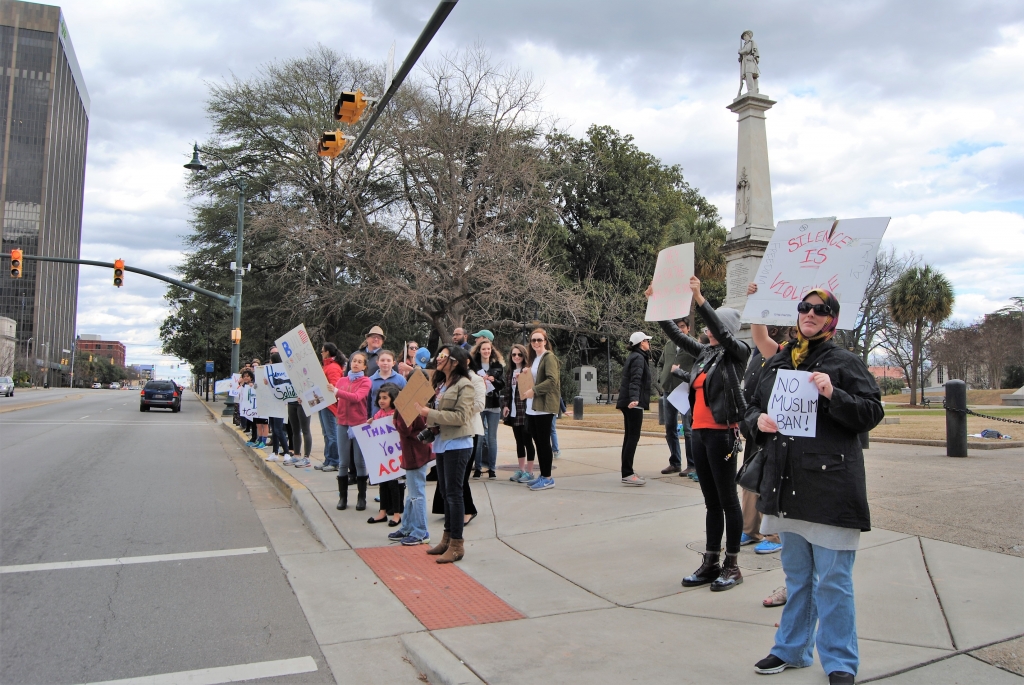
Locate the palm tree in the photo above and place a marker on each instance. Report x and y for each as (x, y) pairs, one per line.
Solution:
(921, 296)
(707, 237)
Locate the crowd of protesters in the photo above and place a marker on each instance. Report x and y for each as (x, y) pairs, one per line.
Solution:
(809, 503)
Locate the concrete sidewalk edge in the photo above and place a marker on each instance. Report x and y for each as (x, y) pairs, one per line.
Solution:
(435, 661)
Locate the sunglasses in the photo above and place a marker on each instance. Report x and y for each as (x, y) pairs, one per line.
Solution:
(441, 358)
(533, 340)
(517, 354)
(819, 309)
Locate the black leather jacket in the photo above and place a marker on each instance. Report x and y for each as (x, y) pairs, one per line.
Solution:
(819, 479)
(635, 385)
(723, 365)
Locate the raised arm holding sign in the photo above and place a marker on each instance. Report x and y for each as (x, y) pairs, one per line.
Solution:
(672, 295)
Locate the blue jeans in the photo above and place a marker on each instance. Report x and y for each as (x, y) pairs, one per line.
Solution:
(488, 442)
(675, 456)
(329, 425)
(554, 433)
(278, 436)
(348, 449)
(819, 583)
(414, 520)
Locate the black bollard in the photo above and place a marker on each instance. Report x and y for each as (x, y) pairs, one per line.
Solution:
(661, 411)
(577, 408)
(956, 418)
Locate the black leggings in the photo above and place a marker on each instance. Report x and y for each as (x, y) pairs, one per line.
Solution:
(437, 507)
(539, 427)
(633, 420)
(718, 483)
(300, 438)
(524, 446)
(392, 497)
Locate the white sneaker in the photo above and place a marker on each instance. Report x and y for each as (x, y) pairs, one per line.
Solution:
(273, 457)
(634, 480)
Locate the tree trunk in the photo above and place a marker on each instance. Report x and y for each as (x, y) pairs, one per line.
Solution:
(915, 360)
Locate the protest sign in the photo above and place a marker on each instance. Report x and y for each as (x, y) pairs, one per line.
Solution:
(794, 403)
(524, 380)
(417, 390)
(815, 253)
(303, 366)
(225, 386)
(382, 449)
(247, 402)
(680, 398)
(236, 382)
(672, 294)
(273, 390)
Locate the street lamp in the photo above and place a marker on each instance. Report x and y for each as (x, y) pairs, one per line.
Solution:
(236, 301)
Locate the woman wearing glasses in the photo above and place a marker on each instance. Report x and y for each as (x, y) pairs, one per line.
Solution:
(813, 493)
(515, 416)
(452, 443)
(542, 403)
(718, 407)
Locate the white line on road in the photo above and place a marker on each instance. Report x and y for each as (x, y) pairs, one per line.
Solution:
(105, 423)
(224, 674)
(86, 563)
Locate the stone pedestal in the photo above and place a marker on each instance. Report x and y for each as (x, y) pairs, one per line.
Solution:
(586, 380)
(754, 223)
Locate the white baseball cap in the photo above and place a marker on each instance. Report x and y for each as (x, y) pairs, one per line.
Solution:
(638, 338)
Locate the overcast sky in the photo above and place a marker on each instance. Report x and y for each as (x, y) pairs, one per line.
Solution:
(885, 108)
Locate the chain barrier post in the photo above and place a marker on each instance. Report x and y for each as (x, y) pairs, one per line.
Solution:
(956, 418)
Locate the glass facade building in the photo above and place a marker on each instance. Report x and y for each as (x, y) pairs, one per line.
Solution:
(44, 124)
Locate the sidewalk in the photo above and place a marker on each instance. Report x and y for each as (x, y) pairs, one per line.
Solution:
(593, 568)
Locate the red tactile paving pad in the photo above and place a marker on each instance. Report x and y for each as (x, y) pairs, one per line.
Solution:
(439, 595)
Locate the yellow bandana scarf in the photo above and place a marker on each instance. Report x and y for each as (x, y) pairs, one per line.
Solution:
(798, 352)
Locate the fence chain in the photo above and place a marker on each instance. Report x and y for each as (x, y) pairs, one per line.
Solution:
(981, 416)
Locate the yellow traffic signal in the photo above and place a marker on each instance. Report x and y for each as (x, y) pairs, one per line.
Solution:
(350, 107)
(332, 143)
(236, 336)
(16, 260)
(118, 272)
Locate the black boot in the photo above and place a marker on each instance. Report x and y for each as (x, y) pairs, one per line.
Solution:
(361, 499)
(343, 491)
(709, 571)
(730, 576)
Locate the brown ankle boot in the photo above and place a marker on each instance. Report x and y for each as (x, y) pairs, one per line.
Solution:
(441, 547)
(708, 571)
(730, 576)
(456, 551)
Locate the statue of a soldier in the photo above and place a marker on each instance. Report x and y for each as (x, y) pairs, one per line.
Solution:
(749, 59)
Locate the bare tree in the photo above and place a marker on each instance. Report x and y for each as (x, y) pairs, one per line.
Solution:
(956, 348)
(870, 325)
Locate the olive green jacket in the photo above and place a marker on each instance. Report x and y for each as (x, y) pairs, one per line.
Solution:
(547, 386)
(454, 413)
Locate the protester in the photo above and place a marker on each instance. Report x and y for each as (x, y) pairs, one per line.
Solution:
(372, 347)
(514, 412)
(487, 363)
(634, 400)
(262, 434)
(278, 432)
(385, 374)
(416, 454)
(408, 363)
(542, 403)
(392, 495)
(717, 405)
(334, 364)
(452, 444)
(300, 437)
(246, 378)
(479, 401)
(813, 493)
(672, 359)
(351, 391)
(459, 338)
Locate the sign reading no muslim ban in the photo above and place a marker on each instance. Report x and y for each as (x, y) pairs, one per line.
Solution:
(382, 449)
(794, 403)
(815, 253)
(672, 294)
(303, 366)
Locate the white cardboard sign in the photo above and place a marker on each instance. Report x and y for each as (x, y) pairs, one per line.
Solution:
(303, 366)
(794, 403)
(382, 449)
(680, 398)
(273, 390)
(672, 294)
(815, 253)
(225, 386)
(247, 402)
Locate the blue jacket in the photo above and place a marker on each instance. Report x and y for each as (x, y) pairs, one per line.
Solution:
(376, 383)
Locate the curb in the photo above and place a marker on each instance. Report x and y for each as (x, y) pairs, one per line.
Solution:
(433, 660)
(1000, 445)
(297, 494)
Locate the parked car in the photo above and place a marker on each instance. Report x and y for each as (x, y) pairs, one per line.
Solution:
(6, 386)
(115, 386)
(160, 394)
(97, 386)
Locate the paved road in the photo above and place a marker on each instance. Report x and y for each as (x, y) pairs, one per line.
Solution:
(92, 478)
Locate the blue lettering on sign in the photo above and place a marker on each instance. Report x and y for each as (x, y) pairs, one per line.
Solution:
(287, 350)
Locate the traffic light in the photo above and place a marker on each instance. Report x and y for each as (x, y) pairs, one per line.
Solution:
(118, 272)
(350, 107)
(16, 260)
(332, 143)
(236, 336)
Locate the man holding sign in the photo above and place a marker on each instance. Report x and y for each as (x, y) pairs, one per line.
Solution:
(811, 403)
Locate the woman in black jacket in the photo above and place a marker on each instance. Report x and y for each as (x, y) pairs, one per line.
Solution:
(486, 361)
(718, 407)
(813, 492)
(634, 399)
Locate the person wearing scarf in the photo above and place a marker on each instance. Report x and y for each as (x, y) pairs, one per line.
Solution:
(813, 493)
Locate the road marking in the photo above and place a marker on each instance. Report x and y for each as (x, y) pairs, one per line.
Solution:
(84, 417)
(103, 423)
(123, 561)
(223, 674)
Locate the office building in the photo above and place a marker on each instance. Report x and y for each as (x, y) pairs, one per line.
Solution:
(44, 123)
(92, 346)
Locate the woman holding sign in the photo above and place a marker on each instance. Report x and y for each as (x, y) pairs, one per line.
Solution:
(352, 391)
(813, 491)
(718, 407)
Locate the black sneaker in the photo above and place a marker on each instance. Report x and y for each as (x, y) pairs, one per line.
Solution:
(840, 678)
(771, 664)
